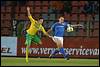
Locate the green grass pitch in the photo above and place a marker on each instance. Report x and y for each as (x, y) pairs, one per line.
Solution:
(19, 61)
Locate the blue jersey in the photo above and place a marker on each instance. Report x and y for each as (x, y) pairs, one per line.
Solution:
(59, 28)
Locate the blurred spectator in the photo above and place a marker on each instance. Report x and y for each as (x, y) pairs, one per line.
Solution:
(96, 6)
(3, 3)
(48, 25)
(90, 7)
(51, 10)
(58, 6)
(87, 8)
(67, 6)
(22, 2)
(45, 24)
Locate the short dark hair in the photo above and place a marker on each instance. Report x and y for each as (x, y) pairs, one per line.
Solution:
(40, 18)
(60, 16)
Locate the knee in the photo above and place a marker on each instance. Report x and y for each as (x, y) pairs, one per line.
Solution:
(59, 45)
(40, 43)
(27, 46)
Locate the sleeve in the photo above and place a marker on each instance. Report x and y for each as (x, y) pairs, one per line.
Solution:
(53, 27)
(65, 24)
(31, 19)
(42, 29)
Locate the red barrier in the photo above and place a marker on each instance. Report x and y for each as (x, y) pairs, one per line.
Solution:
(77, 47)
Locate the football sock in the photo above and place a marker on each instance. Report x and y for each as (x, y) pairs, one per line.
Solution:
(63, 52)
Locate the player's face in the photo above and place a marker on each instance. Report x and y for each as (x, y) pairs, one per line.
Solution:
(40, 21)
(61, 19)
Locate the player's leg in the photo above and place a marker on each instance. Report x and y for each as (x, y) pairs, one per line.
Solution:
(61, 49)
(60, 45)
(36, 39)
(27, 47)
(27, 43)
(53, 52)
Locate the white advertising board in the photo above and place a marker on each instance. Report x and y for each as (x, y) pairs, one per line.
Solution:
(8, 46)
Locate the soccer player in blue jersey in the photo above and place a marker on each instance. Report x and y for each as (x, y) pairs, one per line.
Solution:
(58, 29)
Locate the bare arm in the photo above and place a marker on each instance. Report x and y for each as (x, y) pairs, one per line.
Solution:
(74, 25)
(46, 33)
(77, 25)
(49, 30)
(29, 16)
(28, 11)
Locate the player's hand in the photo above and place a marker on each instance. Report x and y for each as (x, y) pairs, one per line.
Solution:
(28, 8)
(50, 36)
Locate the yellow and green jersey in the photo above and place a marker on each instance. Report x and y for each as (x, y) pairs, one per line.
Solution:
(34, 27)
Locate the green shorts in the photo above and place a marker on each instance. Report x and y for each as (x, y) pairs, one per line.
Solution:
(32, 38)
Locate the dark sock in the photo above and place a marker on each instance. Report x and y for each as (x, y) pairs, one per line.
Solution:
(63, 52)
(54, 51)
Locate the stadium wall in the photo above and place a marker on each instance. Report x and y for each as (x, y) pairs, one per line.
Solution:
(77, 47)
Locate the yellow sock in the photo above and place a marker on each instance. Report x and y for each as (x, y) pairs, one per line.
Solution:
(26, 54)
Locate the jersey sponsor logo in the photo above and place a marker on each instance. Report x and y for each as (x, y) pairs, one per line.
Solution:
(60, 26)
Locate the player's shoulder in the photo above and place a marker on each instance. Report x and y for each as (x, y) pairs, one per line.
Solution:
(30, 16)
(41, 25)
(55, 23)
(66, 20)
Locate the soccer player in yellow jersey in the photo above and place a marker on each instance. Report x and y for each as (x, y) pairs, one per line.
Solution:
(31, 32)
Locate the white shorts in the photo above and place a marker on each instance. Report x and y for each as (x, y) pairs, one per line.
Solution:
(58, 39)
